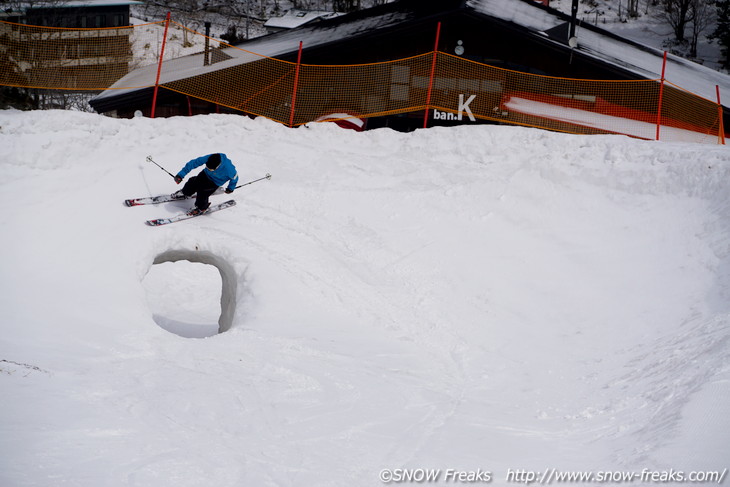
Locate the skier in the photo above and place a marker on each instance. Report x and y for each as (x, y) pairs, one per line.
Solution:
(218, 170)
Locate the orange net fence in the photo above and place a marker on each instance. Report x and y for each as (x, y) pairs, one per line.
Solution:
(438, 87)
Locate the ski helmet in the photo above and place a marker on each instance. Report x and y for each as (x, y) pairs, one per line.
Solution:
(213, 162)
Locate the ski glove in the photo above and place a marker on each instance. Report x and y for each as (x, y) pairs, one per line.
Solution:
(229, 191)
(178, 180)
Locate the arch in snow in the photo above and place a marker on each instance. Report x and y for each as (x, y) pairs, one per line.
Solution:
(228, 279)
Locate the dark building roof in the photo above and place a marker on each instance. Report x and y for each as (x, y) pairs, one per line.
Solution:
(518, 34)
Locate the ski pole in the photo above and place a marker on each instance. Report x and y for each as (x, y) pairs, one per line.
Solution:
(149, 158)
(268, 176)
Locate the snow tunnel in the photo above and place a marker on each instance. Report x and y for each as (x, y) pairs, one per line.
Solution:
(227, 282)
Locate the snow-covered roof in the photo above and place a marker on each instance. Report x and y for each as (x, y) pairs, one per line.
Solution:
(529, 16)
(296, 18)
(274, 45)
(78, 4)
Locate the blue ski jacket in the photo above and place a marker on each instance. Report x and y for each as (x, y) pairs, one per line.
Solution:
(226, 171)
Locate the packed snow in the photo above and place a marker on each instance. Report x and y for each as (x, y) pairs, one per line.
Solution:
(477, 299)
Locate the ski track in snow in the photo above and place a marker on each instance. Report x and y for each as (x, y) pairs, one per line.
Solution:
(473, 297)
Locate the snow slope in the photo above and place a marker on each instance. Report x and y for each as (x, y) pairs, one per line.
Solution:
(475, 298)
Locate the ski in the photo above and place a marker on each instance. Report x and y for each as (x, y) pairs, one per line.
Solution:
(163, 198)
(184, 216)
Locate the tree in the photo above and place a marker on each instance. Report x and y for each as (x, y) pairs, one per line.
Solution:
(345, 5)
(633, 8)
(702, 18)
(688, 19)
(722, 30)
(677, 13)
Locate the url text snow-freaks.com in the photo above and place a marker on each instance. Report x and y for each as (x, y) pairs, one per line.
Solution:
(549, 476)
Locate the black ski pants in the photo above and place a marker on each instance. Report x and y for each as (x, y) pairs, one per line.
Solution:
(202, 187)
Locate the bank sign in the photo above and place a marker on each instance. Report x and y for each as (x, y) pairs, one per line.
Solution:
(464, 103)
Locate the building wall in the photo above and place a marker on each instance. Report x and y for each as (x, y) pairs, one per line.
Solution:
(66, 48)
(84, 18)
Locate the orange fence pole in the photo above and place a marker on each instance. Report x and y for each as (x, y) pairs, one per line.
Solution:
(721, 124)
(661, 96)
(296, 85)
(159, 67)
(430, 79)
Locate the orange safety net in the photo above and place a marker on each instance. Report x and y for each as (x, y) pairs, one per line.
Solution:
(265, 87)
(446, 88)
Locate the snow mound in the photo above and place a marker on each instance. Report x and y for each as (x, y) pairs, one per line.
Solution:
(477, 297)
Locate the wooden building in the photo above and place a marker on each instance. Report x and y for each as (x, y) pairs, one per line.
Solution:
(86, 47)
(70, 14)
